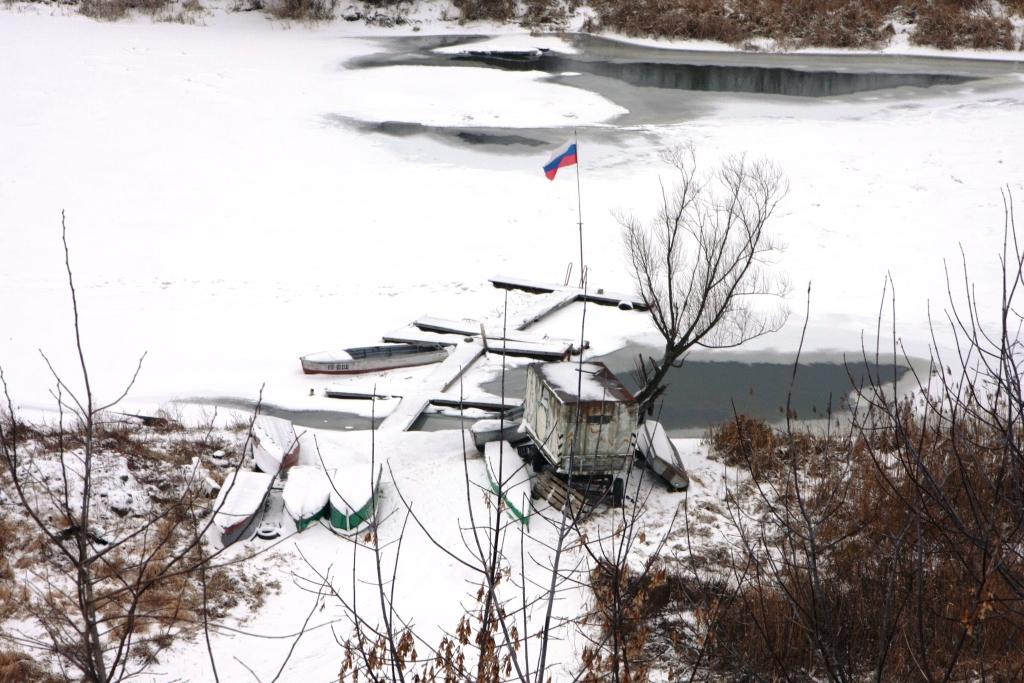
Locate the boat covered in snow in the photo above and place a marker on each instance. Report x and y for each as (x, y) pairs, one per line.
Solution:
(274, 445)
(661, 455)
(372, 358)
(495, 429)
(307, 493)
(353, 496)
(241, 496)
(509, 475)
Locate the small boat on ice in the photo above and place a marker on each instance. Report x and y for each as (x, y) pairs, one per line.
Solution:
(274, 445)
(661, 455)
(494, 429)
(372, 358)
(241, 496)
(507, 473)
(307, 493)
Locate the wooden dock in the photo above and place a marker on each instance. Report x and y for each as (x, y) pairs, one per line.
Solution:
(470, 340)
(416, 400)
(596, 295)
(538, 348)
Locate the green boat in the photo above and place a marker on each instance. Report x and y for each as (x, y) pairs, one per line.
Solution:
(350, 506)
(504, 466)
(306, 495)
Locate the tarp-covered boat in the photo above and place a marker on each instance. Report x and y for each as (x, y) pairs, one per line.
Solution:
(372, 358)
(241, 497)
(661, 455)
(507, 473)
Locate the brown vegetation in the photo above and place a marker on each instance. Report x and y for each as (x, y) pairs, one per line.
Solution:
(821, 23)
(891, 551)
(17, 667)
(113, 10)
(303, 10)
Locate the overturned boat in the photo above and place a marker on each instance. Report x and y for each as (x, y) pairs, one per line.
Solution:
(353, 497)
(240, 499)
(661, 455)
(274, 446)
(372, 358)
(497, 429)
(509, 477)
(307, 494)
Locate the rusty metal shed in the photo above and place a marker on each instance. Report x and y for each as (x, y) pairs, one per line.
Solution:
(580, 416)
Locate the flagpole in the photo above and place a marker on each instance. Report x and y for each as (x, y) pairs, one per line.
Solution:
(579, 203)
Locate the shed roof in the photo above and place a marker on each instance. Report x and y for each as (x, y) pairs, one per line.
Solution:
(572, 382)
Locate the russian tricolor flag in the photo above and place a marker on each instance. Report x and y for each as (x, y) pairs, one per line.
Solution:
(563, 156)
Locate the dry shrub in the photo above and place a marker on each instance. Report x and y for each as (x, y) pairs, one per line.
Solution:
(826, 23)
(748, 443)
(544, 13)
(113, 10)
(923, 568)
(18, 667)
(485, 10)
(304, 10)
(949, 26)
(188, 13)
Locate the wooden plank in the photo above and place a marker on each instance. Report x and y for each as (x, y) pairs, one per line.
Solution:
(414, 335)
(550, 488)
(541, 351)
(596, 295)
(356, 394)
(471, 328)
(438, 381)
(494, 404)
(544, 307)
(532, 286)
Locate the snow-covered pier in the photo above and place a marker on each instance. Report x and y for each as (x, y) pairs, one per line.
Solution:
(477, 338)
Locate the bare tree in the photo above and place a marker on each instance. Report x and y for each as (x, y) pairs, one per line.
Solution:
(705, 259)
(106, 597)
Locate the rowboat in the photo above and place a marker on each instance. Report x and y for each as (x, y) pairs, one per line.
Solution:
(307, 493)
(372, 358)
(661, 455)
(509, 477)
(241, 496)
(273, 446)
(353, 497)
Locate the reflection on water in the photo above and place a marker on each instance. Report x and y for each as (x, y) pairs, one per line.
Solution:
(717, 77)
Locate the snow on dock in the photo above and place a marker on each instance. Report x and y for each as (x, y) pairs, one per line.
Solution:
(563, 295)
(471, 339)
(438, 381)
(506, 345)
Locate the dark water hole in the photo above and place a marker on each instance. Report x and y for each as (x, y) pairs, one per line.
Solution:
(310, 419)
(703, 393)
(763, 80)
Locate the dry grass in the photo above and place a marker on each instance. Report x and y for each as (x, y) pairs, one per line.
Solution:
(486, 10)
(167, 604)
(906, 565)
(303, 10)
(113, 10)
(18, 667)
(824, 23)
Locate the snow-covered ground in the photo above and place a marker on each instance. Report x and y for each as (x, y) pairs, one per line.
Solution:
(224, 218)
(221, 220)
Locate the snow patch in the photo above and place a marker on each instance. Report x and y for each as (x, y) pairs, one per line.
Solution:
(472, 97)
